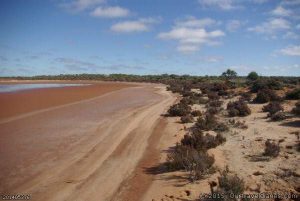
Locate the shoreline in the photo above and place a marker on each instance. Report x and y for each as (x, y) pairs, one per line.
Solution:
(21, 102)
(82, 150)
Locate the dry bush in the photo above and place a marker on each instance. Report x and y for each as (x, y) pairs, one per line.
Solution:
(238, 108)
(213, 95)
(238, 124)
(272, 108)
(266, 95)
(198, 163)
(186, 119)
(219, 86)
(202, 142)
(175, 88)
(221, 127)
(229, 185)
(265, 84)
(213, 110)
(186, 101)
(202, 100)
(278, 116)
(272, 149)
(215, 103)
(196, 113)
(296, 109)
(293, 95)
(179, 109)
(246, 96)
(207, 122)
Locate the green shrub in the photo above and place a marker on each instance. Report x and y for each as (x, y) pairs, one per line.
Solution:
(272, 108)
(293, 95)
(271, 149)
(238, 108)
(252, 76)
(179, 109)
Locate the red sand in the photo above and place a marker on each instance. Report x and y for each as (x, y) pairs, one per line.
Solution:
(16, 103)
(84, 150)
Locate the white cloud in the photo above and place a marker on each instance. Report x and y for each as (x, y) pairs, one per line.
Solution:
(281, 11)
(140, 25)
(79, 5)
(233, 25)
(291, 35)
(187, 48)
(260, 1)
(194, 22)
(293, 50)
(212, 59)
(110, 12)
(221, 4)
(290, 2)
(190, 39)
(271, 26)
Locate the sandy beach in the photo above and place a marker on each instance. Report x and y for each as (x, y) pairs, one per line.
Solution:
(78, 143)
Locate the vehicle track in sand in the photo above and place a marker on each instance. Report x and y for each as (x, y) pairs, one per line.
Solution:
(84, 150)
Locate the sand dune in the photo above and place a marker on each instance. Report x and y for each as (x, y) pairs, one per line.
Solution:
(85, 150)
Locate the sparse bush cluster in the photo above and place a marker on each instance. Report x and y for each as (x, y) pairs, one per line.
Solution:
(190, 154)
(238, 108)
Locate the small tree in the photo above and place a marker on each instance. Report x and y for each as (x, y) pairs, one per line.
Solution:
(252, 76)
(229, 74)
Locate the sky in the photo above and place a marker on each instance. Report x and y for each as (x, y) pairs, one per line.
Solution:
(196, 37)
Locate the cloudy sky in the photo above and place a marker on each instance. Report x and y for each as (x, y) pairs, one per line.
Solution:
(197, 37)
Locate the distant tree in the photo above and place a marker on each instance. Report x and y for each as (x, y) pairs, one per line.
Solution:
(252, 76)
(229, 74)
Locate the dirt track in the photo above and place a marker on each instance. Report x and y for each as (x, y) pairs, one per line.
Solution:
(80, 151)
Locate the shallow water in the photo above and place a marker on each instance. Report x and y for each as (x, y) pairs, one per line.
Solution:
(21, 87)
